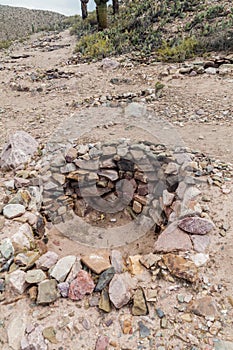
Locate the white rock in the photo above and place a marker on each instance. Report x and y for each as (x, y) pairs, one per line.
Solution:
(18, 149)
(15, 330)
(200, 259)
(17, 281)
(11, 211)
(118, 291)
(62, 268)
(24, 236)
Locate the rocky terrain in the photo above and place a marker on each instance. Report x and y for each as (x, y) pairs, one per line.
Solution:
(19, 22)
(171, 288)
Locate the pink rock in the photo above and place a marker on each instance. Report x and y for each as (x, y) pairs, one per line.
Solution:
(172, 239)
(102, 343)
(200, 243)
(47, 260)
(82, 285)
(119, 292)
(196, 225)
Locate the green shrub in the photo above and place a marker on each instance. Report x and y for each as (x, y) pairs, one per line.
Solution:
(178, 52)
(5, 44)
(95, 45)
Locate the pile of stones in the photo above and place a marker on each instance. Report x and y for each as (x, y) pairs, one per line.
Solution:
(158, 183)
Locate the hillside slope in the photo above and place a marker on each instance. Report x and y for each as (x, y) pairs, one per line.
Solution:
(17, 22)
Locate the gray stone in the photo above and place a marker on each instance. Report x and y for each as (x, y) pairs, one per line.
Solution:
(117, 261)
(62, 268)
(18, 150)
(211, 70)
(109, 174)
(11, 211)
(225, 69)
(104, 279)
(144, 331)
(17, 281)
(135, 110)
(47, 260)
(35, 276)
(47, 292)
(119, 292)
(6, 248)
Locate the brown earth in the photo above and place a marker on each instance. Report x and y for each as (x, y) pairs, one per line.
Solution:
(199, 108)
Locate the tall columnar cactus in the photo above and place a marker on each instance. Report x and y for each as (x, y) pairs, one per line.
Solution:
(115, 5)
(102, 13)
(84, 8)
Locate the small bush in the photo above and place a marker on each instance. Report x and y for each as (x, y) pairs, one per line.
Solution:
(95, 45)
(182, 50)
(5, 44)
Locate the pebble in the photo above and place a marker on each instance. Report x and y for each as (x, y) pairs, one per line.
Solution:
(50, 334)
(11, 211)
(47, 292)
(139, 304)
(102, 343)
(144, 331)
(63, 288)
(118, 291)
(160, 313)
(104, 302)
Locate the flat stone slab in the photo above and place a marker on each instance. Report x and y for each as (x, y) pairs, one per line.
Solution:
(173, 239)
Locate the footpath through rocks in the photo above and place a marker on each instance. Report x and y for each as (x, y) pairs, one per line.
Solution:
(115, 202)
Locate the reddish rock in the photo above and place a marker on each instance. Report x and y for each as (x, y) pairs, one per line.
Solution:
(196, 225)
(82, 285)
(102, 343)
(180, 267)
(173, 239)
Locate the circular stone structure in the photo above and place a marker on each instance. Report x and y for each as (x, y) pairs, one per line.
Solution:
(103, 190)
